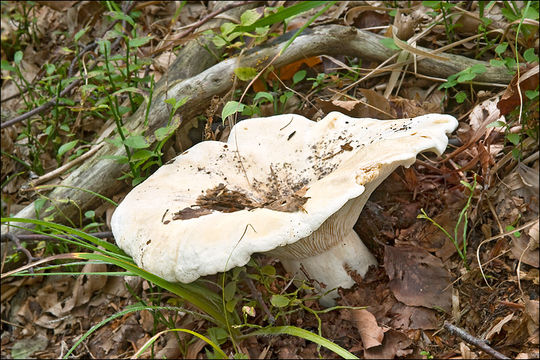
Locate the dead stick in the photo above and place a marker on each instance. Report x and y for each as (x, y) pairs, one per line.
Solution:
(17, 241)
(65, 167)
(454, 330)
(41, 108)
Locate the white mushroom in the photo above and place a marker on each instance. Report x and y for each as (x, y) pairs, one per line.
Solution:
(284, 185)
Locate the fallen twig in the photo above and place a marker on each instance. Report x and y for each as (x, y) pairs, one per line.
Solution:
(454, 330)
(65, 167)
(41, 108)
(17, 240)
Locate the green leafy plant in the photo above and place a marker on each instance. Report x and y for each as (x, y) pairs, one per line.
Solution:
(462, 77)
(444, 7)
(204, 299)
(463, 220)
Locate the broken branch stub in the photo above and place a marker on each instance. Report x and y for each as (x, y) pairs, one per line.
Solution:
(295, 197)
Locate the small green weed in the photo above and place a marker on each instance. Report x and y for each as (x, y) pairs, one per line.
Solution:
(463, 218)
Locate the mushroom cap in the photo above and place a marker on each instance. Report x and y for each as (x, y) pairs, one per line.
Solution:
(274, 182)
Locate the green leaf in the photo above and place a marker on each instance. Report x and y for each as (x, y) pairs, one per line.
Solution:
(262, 30)
(389, 43)
(468, 76)
(249, 17)
(263, 95)
(231, 304)
(66, 147)
(432, 4)
(299, 76)
(513, 138)
(510, 62)
(478, 68)
(218, 334)
(141, 154)
(49, 68)
(137, 180)
(245, 73)
(531, 94)
(118, 15)
(530, 56)
(494, 62)
(530, 13)
(231, 107)
(139, 41)
(17, 58)
(128, 89)
(104, 46)
(219, 41)
(461, 96)
(114, 141)
(282, 14)
(121, 159)
(284, 97)
(510, 228)
(6, 66)
(497, 123)
(501, 48)
(176, 103)
(80, 33)
(230, 290)
(509, 14)
(268, 270)
(279, 301)
(136, 142)
(164, 132)
(227, 28)
(88, 88)
(90, 214)
(38, 204)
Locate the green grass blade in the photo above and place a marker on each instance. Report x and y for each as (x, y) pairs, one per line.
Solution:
(286, 13)
(202, 337)
(313, 18)
(296, 331)
(185, 291)
(77, 188)
(71, 231)
(122, 313)
(198, 295)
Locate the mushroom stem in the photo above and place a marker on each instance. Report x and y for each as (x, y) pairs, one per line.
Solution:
(331, 269)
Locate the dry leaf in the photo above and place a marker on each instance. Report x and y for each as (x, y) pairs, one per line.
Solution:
(498, 327)
(394, 344)
(418, 278)
(370, 333)
(466, 352)
(528, 80)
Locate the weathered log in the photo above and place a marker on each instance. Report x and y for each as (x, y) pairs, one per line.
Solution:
(100, 175)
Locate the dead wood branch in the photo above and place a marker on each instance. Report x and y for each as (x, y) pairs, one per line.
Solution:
(454, 330)
(185, 79)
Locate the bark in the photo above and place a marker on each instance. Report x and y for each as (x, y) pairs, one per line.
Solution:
(100, 175)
